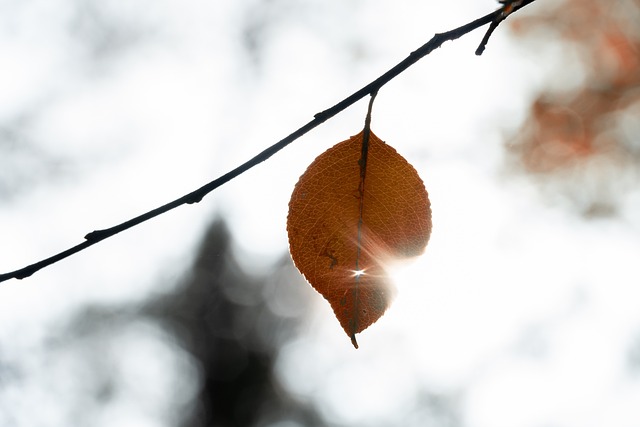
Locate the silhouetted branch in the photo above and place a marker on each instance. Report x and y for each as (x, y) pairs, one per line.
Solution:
(509, 7)
(195, 196)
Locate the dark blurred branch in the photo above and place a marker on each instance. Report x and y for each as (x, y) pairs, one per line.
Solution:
(195, 196)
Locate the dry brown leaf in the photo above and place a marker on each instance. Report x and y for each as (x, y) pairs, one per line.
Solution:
(349, 218)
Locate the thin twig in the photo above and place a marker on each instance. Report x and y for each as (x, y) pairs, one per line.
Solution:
(195, 196)
(509, 7)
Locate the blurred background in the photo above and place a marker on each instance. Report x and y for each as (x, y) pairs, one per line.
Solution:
(524, 310)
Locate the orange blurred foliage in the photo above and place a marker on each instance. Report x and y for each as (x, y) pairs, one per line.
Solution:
(585, 141)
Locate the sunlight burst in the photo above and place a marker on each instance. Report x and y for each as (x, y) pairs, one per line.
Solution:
(358, 273)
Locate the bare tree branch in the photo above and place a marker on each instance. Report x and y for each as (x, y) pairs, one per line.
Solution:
(436, 41)
(509, 7)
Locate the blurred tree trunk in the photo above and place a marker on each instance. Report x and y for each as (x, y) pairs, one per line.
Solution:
(223, 317)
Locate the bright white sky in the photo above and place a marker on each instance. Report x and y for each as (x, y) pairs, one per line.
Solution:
(520, 312)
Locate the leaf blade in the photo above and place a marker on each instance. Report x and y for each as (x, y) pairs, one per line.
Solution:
(343, 228)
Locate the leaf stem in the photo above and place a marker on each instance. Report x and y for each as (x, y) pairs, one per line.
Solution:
(366, 133)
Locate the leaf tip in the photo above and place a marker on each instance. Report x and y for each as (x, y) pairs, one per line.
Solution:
(353, 340)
